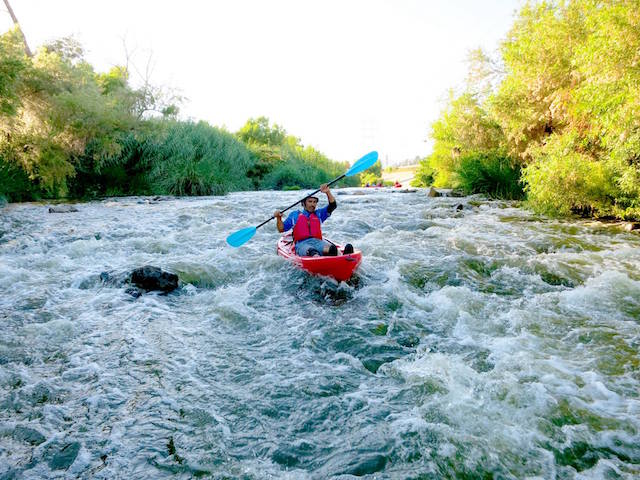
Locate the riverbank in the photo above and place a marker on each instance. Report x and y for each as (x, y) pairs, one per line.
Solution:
(403, 175)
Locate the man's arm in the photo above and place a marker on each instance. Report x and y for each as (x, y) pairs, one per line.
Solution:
(287, 224)
(324, 188)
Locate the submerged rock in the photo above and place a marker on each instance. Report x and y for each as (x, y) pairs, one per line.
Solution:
(62, 209)
(109, 278)
(151, 278)
(63, 458)
(134, 292)
(28, 435)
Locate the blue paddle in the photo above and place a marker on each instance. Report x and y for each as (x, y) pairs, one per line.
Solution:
(243, 236)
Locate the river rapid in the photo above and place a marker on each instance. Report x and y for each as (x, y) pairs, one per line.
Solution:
(477, 340)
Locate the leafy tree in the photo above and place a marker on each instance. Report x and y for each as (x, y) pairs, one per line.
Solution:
(530, 103)
(259, 131)
(425, 174)
(570, 103)
(564, 107)
(463, 128)
(14, 64)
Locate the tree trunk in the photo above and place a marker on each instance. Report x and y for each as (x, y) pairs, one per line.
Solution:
(15, 21)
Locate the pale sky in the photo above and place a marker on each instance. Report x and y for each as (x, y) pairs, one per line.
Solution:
(344, 76)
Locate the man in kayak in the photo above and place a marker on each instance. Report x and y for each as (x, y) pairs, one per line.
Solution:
(307, 232)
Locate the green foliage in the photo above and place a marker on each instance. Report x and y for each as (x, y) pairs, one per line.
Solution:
(123, 173)
(196, 159)
(266, 158)
(281, 161)
(585, 53)
(63, 110)
(294, 170)
(425, 174)
(258, 131)
(15, 185)
(67, 130)
(464, 127)
(563, 180)
(578, 187)
(491, 173)
(13, 65)
(307, 168)
(372, 176)
(369, 178)
(566, 109)
(531, 102)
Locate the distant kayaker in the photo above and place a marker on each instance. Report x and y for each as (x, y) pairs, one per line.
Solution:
(307, 232)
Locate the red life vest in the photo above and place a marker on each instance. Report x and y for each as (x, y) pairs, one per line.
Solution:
(307, 227)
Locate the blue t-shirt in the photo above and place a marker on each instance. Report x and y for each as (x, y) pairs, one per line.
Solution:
(322, 213)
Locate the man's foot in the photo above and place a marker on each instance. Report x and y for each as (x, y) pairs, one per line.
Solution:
(348, 248)
(333, 251)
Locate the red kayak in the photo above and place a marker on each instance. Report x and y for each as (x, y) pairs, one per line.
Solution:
(340, 267)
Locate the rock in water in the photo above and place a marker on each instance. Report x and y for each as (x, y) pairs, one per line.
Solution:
(152, 278)
(432, 192)
(29, 435)
(62, 209)
(64, 458)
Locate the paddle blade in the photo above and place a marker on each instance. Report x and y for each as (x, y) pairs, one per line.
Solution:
(361, 165)
(241, 236)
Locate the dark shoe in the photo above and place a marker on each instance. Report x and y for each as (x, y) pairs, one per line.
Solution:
(348, 248)
(333, 251)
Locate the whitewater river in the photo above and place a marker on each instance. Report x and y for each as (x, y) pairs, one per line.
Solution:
(478, 340)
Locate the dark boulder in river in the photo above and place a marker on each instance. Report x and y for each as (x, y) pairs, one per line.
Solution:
(152, 278)
(62, 209)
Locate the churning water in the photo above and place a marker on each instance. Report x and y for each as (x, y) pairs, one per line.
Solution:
(476, 341)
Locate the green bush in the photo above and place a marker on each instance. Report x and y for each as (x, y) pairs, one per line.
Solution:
(196, 159)
(122, 173)
(561, 180)
(265, 159)
(425, 175)
(369, 178)
(15, 185)
(291, 172)
(489, 173)
(304, 167)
